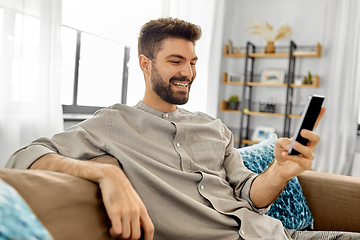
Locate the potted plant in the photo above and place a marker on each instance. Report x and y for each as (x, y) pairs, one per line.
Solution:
(233, 102)
(308, 79)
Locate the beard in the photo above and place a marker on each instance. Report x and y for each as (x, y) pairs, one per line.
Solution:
(164, 91)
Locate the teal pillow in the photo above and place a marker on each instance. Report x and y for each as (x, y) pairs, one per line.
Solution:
(291, 207)
(17, 221)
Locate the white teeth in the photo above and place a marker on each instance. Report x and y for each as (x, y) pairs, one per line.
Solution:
(180, 84)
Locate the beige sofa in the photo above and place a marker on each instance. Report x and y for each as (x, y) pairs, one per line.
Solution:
(72, 208)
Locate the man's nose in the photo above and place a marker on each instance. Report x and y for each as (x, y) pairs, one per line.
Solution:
(187, 71)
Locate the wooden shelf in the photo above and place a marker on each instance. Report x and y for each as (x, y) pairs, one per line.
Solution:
(224, 106)
(234, 55)
(316, 53)
(315, 84)
(272, 114)
(225, 81)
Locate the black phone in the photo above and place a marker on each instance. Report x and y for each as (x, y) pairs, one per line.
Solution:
(307, 121)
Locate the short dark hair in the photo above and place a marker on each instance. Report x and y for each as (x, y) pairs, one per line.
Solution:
(154, 32)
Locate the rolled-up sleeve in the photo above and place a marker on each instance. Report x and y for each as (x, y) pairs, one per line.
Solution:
(245, 194)
(25, 157)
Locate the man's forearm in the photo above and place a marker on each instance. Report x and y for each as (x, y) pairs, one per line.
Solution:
(88, 170)
(267, 187)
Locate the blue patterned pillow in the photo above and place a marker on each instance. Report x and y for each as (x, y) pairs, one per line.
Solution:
(291, 207)
(17, 221)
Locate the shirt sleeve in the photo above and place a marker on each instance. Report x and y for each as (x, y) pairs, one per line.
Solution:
(239, 177)
(245, 194)
(83, 141)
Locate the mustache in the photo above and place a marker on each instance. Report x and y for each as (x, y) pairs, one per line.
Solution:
(183, 78)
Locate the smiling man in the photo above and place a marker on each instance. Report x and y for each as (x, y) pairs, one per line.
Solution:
(180, 175)
(169, 74)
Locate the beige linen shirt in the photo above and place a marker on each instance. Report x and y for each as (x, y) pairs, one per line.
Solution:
(183, 165)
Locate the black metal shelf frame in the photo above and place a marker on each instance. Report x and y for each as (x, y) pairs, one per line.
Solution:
(247, 91)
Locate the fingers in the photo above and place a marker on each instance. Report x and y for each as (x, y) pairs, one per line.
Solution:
(116, 228)
(313, 141)
(125, 209)
(307, 152)
(148, 227)
(283, 142)
(135, 231)
(126, 224)
(303, 162)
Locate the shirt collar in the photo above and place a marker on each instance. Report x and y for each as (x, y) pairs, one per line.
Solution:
(146, 108)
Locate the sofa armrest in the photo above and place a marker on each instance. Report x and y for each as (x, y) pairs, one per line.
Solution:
(69, 207)
(334, 200)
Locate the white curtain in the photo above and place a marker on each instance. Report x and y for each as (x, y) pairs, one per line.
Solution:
(29, 72)
(209, 15)
(341, 71)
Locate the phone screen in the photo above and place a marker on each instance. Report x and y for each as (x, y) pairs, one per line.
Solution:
(307, 120)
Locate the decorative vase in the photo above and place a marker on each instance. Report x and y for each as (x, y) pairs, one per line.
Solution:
(270, 48)
(233, 105)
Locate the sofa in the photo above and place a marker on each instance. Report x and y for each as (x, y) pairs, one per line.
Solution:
(72, 208)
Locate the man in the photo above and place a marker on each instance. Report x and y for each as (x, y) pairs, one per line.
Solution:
(181, 177)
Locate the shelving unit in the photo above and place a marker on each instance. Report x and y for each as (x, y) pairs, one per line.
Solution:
(250, 55)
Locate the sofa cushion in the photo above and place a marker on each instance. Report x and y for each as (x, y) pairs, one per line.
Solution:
(291, 207)
(75, 204)
(17, 219)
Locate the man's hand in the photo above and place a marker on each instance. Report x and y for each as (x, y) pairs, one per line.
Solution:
(293, 165)
(124, 207)
(268, 185)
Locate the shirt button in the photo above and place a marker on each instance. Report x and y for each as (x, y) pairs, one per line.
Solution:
(202, 187)
(178, 144)
(242, 232)
(166, 115)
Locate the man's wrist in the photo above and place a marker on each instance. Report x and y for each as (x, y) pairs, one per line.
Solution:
(267, 187)
(274, 175)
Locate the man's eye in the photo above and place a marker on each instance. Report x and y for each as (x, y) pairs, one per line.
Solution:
(193, 64)
(176, 62)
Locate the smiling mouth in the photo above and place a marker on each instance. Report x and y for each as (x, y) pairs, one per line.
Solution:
(180, 84)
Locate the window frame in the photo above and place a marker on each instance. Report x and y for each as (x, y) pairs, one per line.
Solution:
(78, 112)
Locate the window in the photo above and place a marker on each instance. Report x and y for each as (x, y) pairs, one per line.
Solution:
(94, 72)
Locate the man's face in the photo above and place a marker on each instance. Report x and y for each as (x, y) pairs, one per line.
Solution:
(173, 71)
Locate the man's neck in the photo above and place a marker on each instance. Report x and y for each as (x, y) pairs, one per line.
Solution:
(159, 104)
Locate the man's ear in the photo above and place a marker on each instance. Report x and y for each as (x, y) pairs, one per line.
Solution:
(145, 64)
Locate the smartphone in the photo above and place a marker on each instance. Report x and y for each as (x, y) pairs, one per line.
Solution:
(307, 120)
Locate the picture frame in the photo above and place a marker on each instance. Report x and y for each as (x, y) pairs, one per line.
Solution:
(272, 76)
(261, 133)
